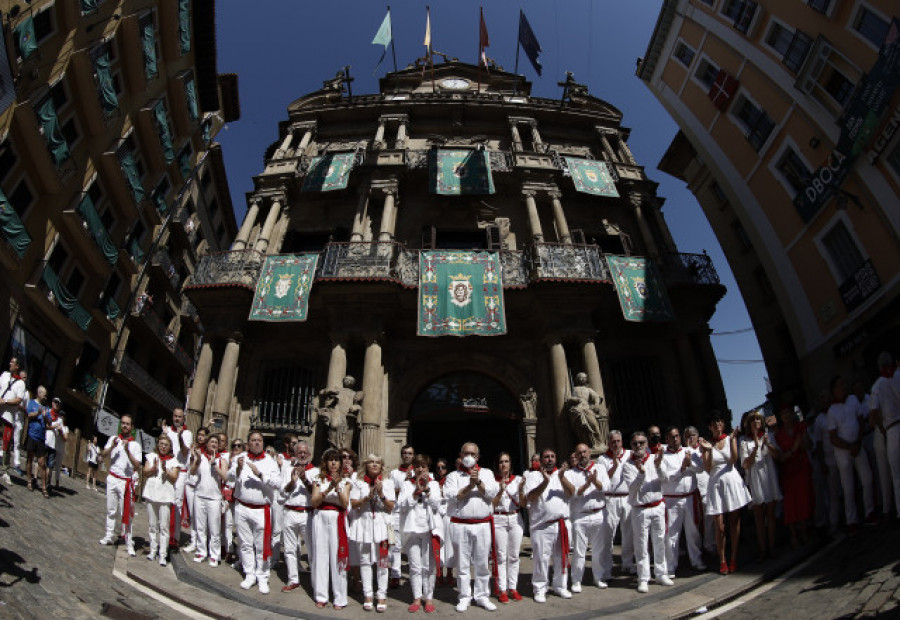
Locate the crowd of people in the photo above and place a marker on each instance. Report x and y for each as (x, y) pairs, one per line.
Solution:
(463, 522)
(35, 421)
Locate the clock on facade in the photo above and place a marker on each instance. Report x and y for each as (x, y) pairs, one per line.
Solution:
(455, 84)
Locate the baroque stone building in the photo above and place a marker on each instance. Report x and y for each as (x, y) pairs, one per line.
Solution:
(382, 202)
(111, 186)
(788, 114)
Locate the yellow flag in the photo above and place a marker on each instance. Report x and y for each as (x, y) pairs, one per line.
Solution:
(427, 42)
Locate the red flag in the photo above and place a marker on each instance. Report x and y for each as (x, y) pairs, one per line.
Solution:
(483, 41)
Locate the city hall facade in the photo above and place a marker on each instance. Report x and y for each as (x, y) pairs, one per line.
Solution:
(548, 236)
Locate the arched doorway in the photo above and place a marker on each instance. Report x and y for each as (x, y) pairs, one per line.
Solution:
(467, 406)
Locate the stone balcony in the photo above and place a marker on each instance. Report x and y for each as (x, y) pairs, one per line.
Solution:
(143, 381)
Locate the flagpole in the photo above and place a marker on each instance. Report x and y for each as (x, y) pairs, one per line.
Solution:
(480, 50)
(393, 49)
(431, 52)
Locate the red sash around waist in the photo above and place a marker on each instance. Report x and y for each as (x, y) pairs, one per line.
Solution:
(343, 550)
(128, 500)
(267, 527)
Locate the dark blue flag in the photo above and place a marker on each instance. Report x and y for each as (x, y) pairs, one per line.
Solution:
(529, 42)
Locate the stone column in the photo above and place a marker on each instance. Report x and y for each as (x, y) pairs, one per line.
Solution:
(337, 363)
(516, 138)
(562, 227)
(388, 215)
(637, 201)
(607, 148)
(262, 243)
(626, 152)
(240, 242)
(595, 380)
(536, 138)
(359, 219)
(379, 135)
(227, 377)
(304, 141)
(559, 374)
(285, 145)
(530, 427)
(197, 402)
(373, 383)
(537, 234)
(400, 143)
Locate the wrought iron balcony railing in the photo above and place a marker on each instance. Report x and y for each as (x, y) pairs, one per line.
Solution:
(359, 260)
(690, 268)
(150, 386)
(165, 335)
(233, 268)
(554, 261)
(162, 259)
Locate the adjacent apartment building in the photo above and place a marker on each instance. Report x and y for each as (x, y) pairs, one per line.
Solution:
(111, 186)
(788, 116)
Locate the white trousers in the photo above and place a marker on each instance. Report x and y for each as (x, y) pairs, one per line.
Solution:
(508, 532)
(158, 515)
(849, 468)
(180, 483)
(19, 424)
(547, 548)
(324, 561)
(617, 512)
(587, 531)
(190, 493)
(277, 527)
(251, 525)
(295, 528)
(227, 527)
(649, 523)
(448, 560)
(208, 519)
(472, 549)
(394, 553)
(368, 555)
(680, 515)
(893, 457)
(115, 498)
(422, 569)
(883, 466)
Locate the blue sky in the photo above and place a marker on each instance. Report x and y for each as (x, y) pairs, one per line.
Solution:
(282, 49)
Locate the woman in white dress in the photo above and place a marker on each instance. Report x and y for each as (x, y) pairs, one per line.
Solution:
(372, 499)
(508, 528)
(210, 471)
(761, 476)
(161, 471)
(331, 552)
(725, 493)
(422, 527)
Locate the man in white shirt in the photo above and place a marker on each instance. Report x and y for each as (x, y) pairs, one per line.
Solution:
(617, 511)
(845, 433)
(181, 439)
(473, 488)
(682, 498)
(587, 505)
(885, 417)
(296, 485)
(644, 476)
(398, 477)
(547, 492)
(12, 393)
(125, 456)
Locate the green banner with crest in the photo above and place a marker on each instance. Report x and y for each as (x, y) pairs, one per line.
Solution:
(328, 172)
(592, 177)
(642, 293)
(461, 172)
(282, 292)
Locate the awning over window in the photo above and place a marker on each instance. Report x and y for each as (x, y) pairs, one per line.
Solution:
(184, 25)
(148, 43)
(165, 136)
(190, 92)
(12, 226)
(129, 168)
(98, 231)
(56, 142)
(25, 36)
(105, 88)
(68, 303)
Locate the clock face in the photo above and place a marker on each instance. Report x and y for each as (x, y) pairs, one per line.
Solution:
(455, 84)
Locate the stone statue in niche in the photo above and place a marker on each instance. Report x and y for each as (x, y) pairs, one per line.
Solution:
(529, 404)
(583, 407)
(338, 412)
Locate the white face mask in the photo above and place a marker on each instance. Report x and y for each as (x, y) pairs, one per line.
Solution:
(468, 461)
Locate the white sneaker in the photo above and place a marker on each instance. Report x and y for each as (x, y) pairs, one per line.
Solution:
(152, 556)
(485, 603)
(199, 558)
(162, 560)
(664, 580)
(462, 606)
(563, 593)
(601, 584)
(190, 548)
(131, 551)
(263, 586)
(106, 540)
(213, 562)
(540, 597)
(5, 479)
(576, 588)
(642, 587)
(248, 582)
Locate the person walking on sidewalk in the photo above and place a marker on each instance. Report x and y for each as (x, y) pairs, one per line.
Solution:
(35, 447)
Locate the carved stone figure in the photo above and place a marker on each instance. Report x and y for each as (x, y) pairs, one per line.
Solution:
(338, 411)
(583, 408)
(529, 404)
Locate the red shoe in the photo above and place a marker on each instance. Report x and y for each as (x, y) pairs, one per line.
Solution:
(514, 595)
(320, 605)
(429, 608)
(290, 586)
(413, 608)
(503, 598)
(732, 568)
(723, 568)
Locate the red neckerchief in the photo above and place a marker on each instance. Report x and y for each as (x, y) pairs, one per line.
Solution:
(463, 470)
(442, 481)
(536, 466)
(643, 460)
(588, 468)
(610, 454)
(511, 478)
(257, 457)
(308, 466)
(165, 458)
(554, 470)
(760, 434)
(178, 429)
(405, 468)
(671, 451)
(371, 481)
(15, 378)
(721, 437)
(286, 455)
(126, 439)
(221, 453)
(54, 415)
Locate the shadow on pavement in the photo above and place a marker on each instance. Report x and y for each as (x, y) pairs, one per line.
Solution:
(9, 565)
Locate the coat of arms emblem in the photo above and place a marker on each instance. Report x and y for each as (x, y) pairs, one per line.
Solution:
(283, 286)
(640, 287)
(460, 290)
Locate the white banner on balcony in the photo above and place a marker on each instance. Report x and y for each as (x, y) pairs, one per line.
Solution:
(107, 423)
